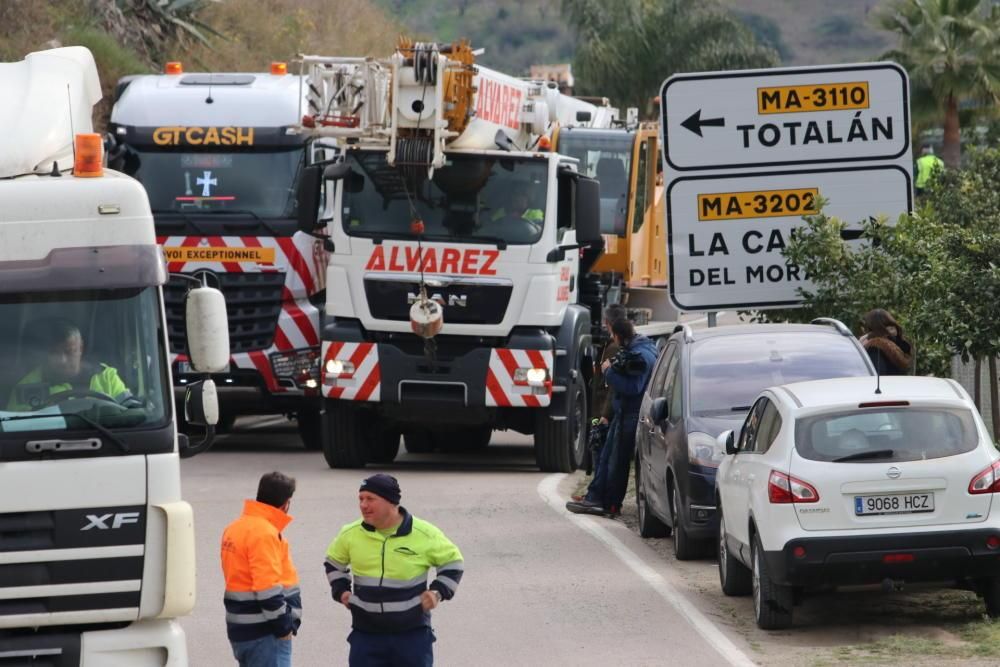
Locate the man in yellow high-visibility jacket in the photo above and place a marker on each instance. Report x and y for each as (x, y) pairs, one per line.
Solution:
(64, 370)
(386, 555)
(927, 166)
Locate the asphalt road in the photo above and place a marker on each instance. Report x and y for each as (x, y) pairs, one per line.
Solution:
(541, 586)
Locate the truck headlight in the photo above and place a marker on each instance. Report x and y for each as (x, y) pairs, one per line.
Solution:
(532, 377)
(338, 369)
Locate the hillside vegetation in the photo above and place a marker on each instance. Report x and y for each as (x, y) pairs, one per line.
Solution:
(519, 33)
(132, 36)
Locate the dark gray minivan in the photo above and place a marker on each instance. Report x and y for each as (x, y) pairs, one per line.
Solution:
(704, 383)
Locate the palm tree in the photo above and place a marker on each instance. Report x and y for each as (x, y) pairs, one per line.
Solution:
(951, 49)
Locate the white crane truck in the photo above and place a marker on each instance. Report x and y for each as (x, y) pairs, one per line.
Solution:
(96, 545)
(450, 217)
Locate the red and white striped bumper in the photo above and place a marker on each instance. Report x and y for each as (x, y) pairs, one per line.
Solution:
(359, 376)
(515, 378)
(506, 385)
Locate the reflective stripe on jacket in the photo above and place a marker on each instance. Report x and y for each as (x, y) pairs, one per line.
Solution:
(262, 587)
(105, 380)
(390, 572)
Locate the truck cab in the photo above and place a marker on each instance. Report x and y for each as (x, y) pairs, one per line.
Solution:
(96, 544)
(459, 241)
(216, 157)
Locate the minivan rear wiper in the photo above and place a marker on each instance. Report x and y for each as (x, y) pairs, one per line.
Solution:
(870, 454)
(87, 420)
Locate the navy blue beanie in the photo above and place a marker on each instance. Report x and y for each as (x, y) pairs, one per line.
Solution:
(382, 485)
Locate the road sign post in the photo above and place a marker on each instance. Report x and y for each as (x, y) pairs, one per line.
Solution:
(746, 154)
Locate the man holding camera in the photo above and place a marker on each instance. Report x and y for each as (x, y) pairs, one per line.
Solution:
(626, 375)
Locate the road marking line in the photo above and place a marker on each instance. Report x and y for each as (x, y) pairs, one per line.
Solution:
(548, 490)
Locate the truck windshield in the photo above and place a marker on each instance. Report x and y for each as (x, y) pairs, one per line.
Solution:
(98, 354)
(472, 199)
(262, 183)
(607, 156)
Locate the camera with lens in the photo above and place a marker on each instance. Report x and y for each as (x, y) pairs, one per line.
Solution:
(628, 362)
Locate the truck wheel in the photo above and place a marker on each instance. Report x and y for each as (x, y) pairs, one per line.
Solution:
(418, 442)
(477, 438)
(310, 429)
(386, 446)
(226, 422)
(559, 445)
(343, 436)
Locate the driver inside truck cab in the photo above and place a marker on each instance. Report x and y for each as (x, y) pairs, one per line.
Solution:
(63, 372)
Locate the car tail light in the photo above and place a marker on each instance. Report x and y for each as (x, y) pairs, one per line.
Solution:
(783, 489)
(799, 552)
(987, 481)
(993, 542)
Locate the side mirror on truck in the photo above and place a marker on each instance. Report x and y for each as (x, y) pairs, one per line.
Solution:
(579, 208)
(307, 197)
(207, 326)
(588, 210)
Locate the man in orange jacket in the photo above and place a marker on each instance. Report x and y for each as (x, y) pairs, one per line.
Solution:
(262, 599)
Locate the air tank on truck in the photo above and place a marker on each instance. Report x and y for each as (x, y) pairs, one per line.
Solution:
(458, 243)
(96, 544)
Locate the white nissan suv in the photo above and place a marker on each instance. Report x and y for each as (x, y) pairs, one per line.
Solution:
(845, 482)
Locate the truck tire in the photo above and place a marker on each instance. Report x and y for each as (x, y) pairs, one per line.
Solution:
(310, 429)
(560, 444)
(343, 435)
(418, 442)
(385, 446)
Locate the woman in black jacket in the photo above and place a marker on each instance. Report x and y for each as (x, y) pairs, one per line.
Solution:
(889, 351)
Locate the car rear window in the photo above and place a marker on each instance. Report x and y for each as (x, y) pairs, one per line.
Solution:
(728, 372)
(879, 435)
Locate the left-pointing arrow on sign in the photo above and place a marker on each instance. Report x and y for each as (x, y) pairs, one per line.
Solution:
(695, 123)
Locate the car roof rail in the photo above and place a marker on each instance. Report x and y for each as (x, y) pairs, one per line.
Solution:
(688, 334)
(835, 323)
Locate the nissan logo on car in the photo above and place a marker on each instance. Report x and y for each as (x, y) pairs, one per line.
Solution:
(893, 473)
(460, 300)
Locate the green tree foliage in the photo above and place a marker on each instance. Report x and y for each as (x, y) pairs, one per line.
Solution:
(951, 49)
(937, 270)
(626, 49)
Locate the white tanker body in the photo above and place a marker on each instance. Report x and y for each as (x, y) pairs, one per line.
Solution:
(447, 199)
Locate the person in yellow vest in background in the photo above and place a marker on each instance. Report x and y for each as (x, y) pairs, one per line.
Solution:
(927, 165)
(516, 220)
(63, 369)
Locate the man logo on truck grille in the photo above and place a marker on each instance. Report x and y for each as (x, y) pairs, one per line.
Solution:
(117, 520)
(459, 300)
